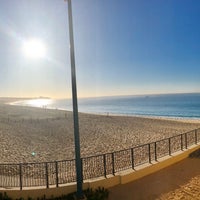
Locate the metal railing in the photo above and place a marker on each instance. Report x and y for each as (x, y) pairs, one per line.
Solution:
(59, 172)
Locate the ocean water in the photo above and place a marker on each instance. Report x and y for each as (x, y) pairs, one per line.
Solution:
(169, 105)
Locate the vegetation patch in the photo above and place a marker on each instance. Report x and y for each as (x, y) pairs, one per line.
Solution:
(90, 194)
(195, 154)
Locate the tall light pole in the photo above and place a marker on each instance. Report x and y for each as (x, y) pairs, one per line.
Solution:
(79, 176)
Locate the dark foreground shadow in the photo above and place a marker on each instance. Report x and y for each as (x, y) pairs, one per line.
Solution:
(154, 185)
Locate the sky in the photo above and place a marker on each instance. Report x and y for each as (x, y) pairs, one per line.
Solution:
(121, 47)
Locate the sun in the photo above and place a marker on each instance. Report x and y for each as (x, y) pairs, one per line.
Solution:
(34, 48)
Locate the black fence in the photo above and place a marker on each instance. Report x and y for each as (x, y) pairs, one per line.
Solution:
(59, 172)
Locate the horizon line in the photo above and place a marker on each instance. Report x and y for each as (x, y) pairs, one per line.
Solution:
(103, 96)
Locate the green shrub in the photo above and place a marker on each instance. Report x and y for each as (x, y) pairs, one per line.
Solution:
(97, 194)
(195, 154)
(4, 196)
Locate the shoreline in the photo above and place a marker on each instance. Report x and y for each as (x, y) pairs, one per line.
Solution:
(30, 134)
(47, 105)
(183, 119)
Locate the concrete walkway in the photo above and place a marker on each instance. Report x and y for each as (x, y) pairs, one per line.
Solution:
(173, 182)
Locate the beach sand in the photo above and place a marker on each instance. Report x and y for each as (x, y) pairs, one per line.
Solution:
(37, 134)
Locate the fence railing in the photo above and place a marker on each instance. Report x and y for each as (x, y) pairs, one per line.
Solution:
(59, 172)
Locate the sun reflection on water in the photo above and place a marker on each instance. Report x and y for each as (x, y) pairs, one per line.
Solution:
(39, 102)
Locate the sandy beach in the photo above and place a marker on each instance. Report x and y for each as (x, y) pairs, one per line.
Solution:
(36, 134)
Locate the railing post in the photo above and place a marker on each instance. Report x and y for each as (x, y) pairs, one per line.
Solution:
(196, 136)
(113, 164)
(82, 172)
(56, 168)
(182, 142)
(186, 140)
(132, 158)
(155, 150)
(149, 151)
(20, 176)
(47, 175)
(104, 164)
(170, 146)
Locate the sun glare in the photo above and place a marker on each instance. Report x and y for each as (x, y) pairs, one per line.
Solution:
(34, 48)
(39, 102)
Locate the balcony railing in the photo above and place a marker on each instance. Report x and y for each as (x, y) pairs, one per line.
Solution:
(60, 172)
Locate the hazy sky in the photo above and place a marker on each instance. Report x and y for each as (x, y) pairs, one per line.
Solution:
(121, 47)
